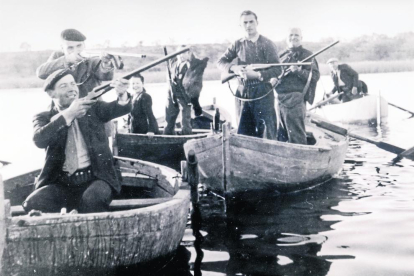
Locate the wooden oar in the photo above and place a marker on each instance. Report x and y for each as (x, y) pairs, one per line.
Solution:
(382, 145)
(326, 101)
(411, 112)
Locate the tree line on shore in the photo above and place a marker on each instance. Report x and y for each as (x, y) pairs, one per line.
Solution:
(369, 51)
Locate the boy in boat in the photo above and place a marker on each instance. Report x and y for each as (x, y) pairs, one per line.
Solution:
(346, 80)
(296, 88)
(142, 119)
(78, 172)
(254, 96)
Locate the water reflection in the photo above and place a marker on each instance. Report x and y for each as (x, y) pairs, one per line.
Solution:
(278, 236)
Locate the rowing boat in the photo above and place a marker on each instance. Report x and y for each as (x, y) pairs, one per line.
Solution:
(147, 221)
(166, 150)
(362, 110)
(253, 164)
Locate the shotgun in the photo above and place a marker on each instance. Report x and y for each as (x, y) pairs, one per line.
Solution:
(107, 87)
(225, 77)
(314, 55)
(228, 76)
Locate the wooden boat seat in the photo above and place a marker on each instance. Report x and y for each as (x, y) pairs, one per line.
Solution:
(116, 205)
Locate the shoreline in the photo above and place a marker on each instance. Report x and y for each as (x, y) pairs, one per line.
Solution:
(213, 74)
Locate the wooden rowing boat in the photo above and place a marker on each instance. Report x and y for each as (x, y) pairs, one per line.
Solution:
(253, 164)
(362, 110)
(147, 221)
(166, 150)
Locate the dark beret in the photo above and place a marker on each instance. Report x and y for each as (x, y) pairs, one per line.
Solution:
(53, 78)
(72, 35)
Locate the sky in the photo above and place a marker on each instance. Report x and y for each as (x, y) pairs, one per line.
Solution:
(127, 22)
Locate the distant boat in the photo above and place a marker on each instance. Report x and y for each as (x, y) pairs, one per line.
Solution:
(147, 221)
(167, 150)
(362, 110)
(265, 166)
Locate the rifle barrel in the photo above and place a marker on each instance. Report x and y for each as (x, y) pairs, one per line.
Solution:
(106, 87)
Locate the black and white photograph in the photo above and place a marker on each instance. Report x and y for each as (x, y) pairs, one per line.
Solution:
(179, 138)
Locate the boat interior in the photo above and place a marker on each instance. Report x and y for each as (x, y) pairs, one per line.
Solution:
(143, 184)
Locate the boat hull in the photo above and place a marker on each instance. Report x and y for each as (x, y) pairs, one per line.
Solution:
(361, 110)
(255, 165)
(52, 242)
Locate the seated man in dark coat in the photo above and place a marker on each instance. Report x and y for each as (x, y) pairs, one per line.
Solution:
(346, 80)
(78, 172)
(142, 118)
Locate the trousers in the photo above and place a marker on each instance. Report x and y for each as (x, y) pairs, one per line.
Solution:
(86, 198)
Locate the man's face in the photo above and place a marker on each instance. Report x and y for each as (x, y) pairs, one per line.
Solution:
(249, 24)
(294, 38)
(65, 91)
(70, 47)
(333, 65)
(136, 85)
(185, 56)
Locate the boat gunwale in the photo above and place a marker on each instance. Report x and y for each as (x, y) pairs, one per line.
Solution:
(52, 218)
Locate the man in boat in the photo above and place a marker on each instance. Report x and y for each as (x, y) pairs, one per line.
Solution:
(142, 119)
(296, 87)
(346, 80)
(178, 99)
(78, 172)
(254, 95)
(88, 73)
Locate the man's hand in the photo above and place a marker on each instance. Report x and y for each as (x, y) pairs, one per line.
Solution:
(73, 58)
(238, 69)
(78, 109)
(274, 81)
(120, 86)
(294, 68)
(354, 90)
(106, 60)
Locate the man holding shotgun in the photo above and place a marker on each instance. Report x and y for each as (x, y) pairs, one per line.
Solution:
(296, 87)
(88, 72)
(78, 172)
(255, 98)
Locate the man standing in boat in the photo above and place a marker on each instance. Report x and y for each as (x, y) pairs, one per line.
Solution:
(296, 87)
(178, 99)
(346, 80)
(88, 72)
(254, 96)
(78, 172)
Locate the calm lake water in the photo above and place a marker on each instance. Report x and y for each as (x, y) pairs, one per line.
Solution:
(360, 223)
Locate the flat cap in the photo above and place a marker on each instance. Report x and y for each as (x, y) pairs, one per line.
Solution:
(72, 35)
(332, 60)
(53, 78)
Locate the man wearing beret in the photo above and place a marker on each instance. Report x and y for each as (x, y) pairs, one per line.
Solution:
(78, 173)
(88, 74)
(346, 80)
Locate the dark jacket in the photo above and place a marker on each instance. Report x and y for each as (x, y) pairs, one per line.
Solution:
(52, 137)
(296, 82)
(142, 117)
(90, 73)
(348, 75)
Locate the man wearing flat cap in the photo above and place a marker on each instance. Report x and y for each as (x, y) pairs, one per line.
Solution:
(346, 80)
(78, 173)
(88, 74)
